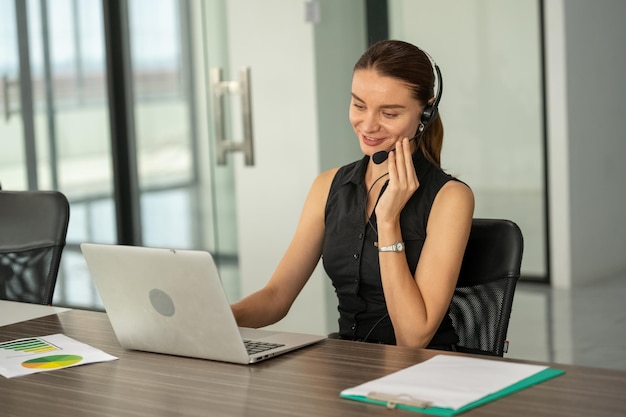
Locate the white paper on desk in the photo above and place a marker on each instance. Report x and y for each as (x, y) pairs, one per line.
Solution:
(448, 381)
(40, 354)
(15, 311)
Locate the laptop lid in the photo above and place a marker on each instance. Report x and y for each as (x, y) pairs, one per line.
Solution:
(172, 301)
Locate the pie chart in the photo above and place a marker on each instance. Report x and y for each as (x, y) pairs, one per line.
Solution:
(52, 361)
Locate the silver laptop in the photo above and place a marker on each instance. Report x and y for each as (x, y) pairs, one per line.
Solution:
(172, 301)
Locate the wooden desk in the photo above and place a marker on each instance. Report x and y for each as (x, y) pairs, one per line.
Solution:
(302, 383)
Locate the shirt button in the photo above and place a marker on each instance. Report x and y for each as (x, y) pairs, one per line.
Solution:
(360, 236)
(355, 256)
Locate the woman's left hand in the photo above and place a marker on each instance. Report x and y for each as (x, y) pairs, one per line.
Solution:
(402, 183)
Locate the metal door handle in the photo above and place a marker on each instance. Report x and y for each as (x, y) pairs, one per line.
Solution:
(219, 89)
(6, 84)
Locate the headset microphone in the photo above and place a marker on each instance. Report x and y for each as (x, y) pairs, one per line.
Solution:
(381, 156)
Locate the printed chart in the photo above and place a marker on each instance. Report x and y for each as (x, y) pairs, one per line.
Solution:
(52, 362)
(33, 345)
(38, 354)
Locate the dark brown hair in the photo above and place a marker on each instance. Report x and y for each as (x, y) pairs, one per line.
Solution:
(409, 64)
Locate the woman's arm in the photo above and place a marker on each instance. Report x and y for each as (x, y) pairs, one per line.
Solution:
(273, 301)
(417, 303)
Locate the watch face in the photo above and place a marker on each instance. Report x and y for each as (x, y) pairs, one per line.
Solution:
(399, 247)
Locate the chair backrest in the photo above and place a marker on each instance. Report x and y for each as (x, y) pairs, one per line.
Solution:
(33, 228)
(482, 301)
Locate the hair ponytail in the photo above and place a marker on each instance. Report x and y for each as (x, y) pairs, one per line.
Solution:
(432, 141)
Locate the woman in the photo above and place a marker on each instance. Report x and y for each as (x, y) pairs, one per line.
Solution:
(391, 232)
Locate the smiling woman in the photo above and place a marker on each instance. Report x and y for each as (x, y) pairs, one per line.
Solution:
(392, 248)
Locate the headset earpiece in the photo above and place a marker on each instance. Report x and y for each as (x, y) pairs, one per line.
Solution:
(431, 109)
(429, 113)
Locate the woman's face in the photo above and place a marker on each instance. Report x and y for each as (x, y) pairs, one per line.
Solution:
(382, 111)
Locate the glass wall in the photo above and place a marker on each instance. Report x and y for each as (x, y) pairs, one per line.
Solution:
(163, 110)
(58, 49)
(58, 120)
(12, 158)
(489, 53)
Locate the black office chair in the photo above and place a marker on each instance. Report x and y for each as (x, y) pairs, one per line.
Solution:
(482, 301)
(33, 228)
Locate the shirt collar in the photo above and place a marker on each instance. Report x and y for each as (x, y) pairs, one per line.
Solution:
(357, 172)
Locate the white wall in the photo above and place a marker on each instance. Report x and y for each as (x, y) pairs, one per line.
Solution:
(595, 63)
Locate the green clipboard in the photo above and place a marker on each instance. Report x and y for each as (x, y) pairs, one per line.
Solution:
(534, 379)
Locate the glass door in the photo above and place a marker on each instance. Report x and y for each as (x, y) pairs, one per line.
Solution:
(186, 198)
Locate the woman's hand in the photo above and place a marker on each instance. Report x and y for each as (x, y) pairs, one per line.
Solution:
(402, 183)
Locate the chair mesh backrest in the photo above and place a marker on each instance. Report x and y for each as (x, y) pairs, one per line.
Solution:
(26, 274)
(33, 228)
(482, 301)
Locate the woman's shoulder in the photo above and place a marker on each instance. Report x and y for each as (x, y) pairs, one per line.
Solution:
(321, 184)
(455, 193)
(457, 188)
(338, 175)
(327, 177)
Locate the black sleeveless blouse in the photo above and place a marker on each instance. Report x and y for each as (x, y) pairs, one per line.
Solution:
(350, 258)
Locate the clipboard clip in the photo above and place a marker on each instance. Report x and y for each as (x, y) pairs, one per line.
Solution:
(393, 400)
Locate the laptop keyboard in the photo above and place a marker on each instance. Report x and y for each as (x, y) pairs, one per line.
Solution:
(252, 346)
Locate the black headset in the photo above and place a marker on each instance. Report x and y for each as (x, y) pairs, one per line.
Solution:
(430, 112)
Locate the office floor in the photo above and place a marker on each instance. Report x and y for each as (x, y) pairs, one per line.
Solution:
(582, 326)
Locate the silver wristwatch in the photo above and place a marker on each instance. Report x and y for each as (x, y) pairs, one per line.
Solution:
(396, 247)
